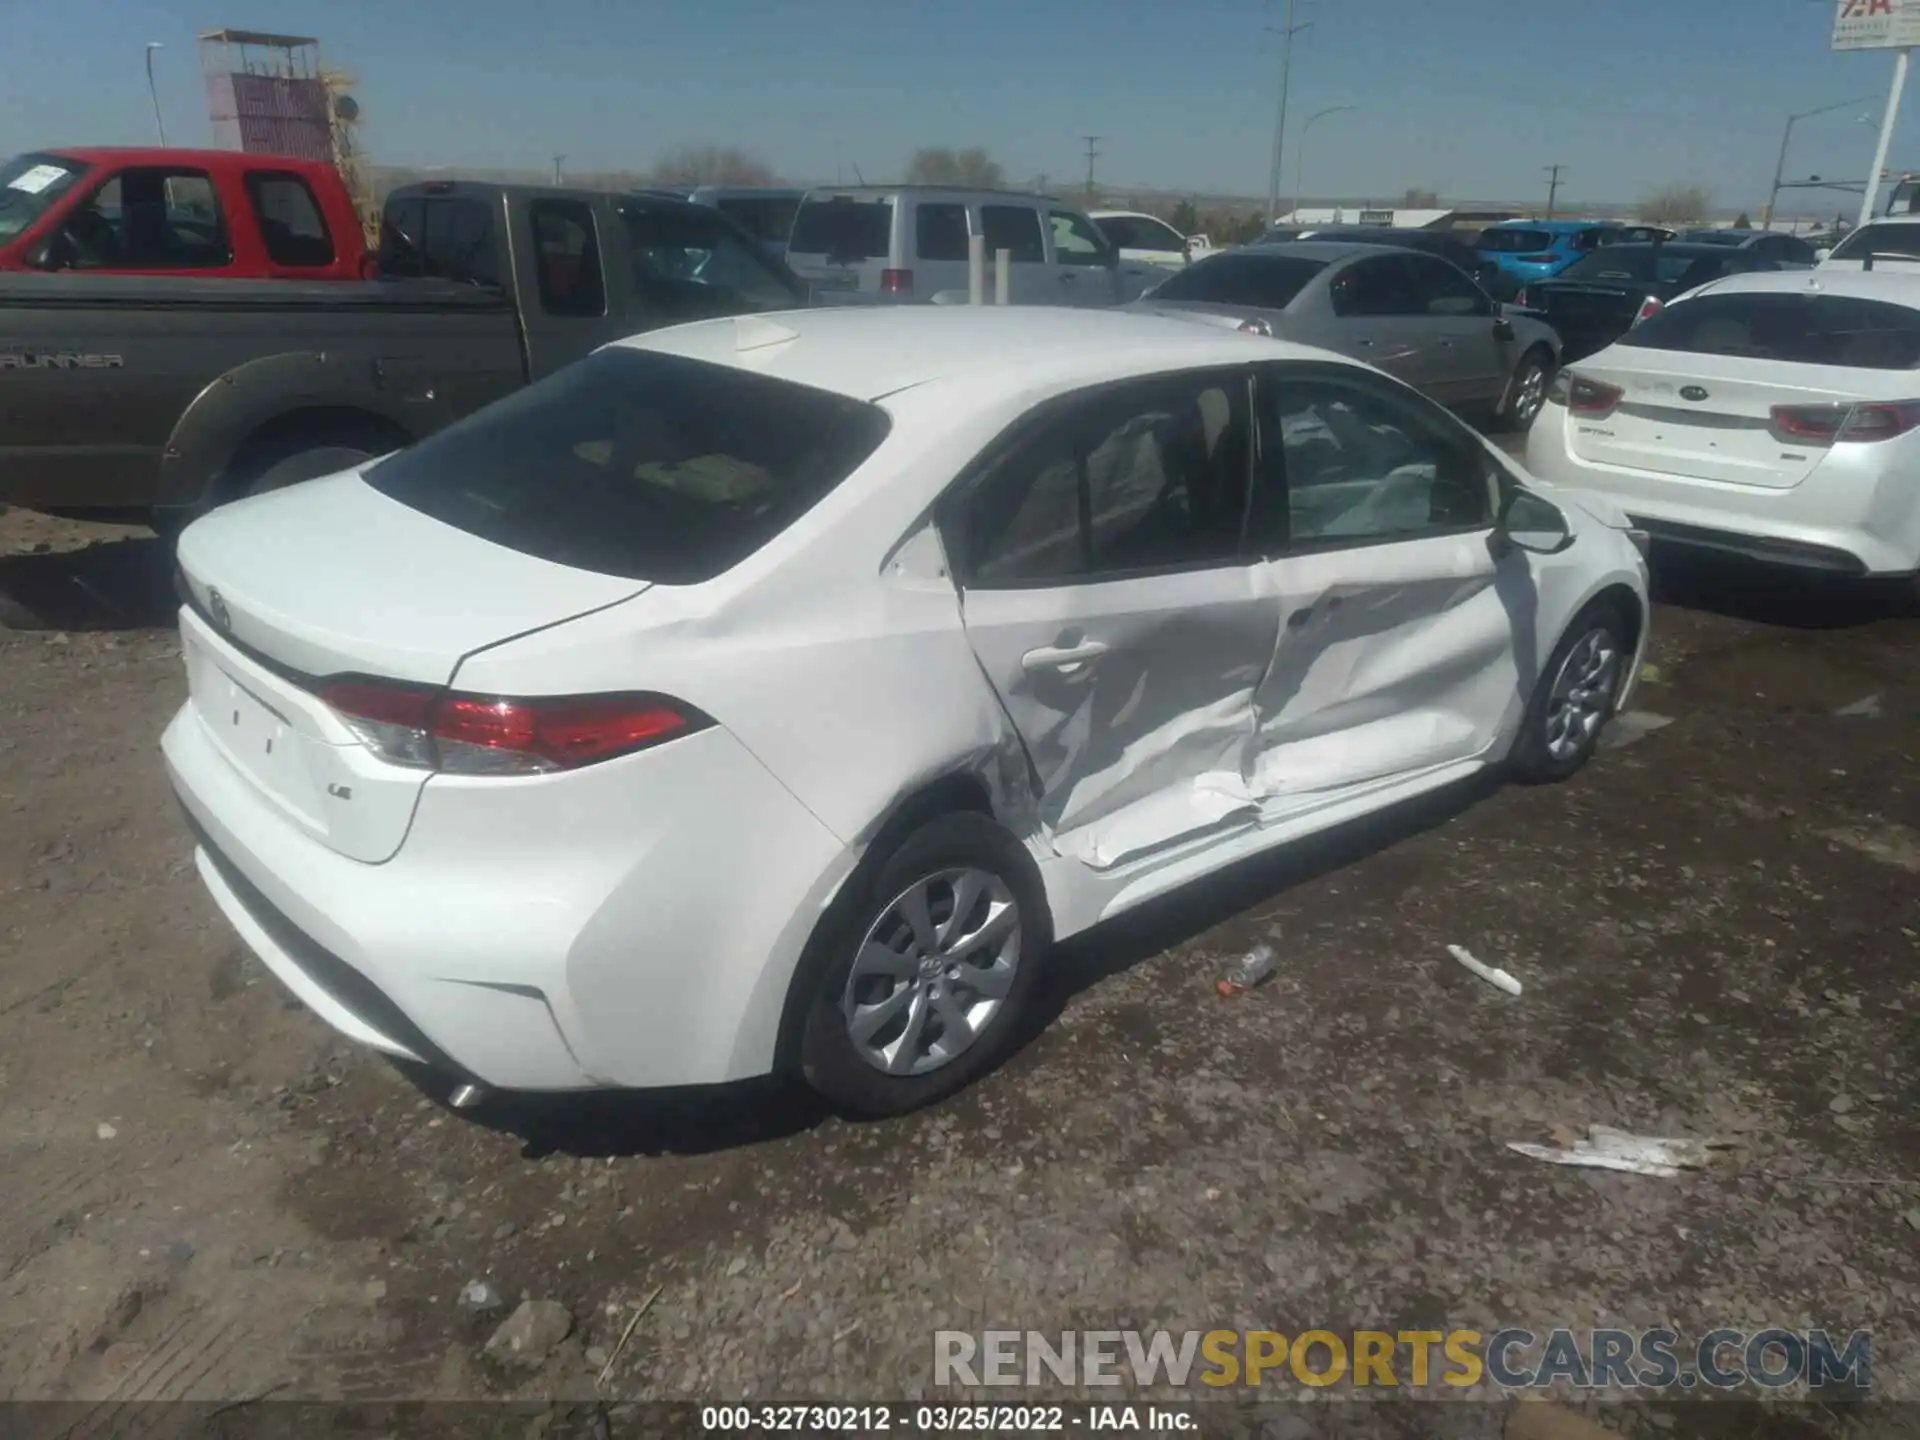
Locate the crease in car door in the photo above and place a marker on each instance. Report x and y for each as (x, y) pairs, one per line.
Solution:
(1369, 301)
(1109, 603)
(1401, 632)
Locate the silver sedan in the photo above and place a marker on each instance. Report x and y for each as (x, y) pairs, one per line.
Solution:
(1415, 316)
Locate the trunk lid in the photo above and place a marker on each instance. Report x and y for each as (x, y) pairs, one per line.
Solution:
(332, 578)
(1708, 417)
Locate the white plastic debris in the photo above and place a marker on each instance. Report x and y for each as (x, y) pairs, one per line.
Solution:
(1866, 708)
(1608, 1149)
(1499, 979)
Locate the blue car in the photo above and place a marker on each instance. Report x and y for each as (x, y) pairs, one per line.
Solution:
(1527, 250)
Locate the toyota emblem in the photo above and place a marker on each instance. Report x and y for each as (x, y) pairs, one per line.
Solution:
(1692, 392)
(217, 607)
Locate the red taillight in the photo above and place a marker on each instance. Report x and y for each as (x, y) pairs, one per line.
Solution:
(1591, 398)
(1853, 424)
(896, 282)
(1649, 308)
(1521, 298)
(493, 735)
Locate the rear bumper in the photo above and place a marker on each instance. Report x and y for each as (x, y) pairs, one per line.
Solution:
(638, 926)
(1840, 520)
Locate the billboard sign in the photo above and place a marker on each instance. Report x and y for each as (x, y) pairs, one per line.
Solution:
(1875, 24)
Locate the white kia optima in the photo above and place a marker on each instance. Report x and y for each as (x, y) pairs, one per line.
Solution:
(1774, 416)
(771, 693)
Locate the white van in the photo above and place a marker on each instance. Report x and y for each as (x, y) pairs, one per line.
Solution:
(909, 242)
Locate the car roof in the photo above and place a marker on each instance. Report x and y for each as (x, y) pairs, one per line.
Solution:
(748, 192)
(1312, 248)
(1896, 287)
(1557, 227)
(1694, 248)
(1122, 215)
(176, 155)
(871, 352)
(877, 192)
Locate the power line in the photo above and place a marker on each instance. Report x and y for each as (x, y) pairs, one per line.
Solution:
(1092, 155)
(1553, 187)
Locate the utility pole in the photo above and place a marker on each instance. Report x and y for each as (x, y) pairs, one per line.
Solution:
(556, 168)
(154, 93)
(1553, 188)
(1092, 155)
(1286, 32)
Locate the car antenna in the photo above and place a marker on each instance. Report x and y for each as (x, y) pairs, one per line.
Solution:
(857, 175)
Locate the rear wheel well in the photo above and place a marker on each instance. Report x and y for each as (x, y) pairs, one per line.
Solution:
(947, 795)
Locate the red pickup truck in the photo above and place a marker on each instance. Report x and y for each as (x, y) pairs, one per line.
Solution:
(206, 213)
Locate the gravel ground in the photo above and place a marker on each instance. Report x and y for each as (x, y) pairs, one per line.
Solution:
(1717, 927)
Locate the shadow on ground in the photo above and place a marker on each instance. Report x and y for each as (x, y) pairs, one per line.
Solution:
(695, 1120)
(1775, 594)
(109, 585)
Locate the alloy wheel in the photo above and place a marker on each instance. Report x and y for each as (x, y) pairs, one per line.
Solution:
(1582, 693)
(1530, 393)
(933, 971)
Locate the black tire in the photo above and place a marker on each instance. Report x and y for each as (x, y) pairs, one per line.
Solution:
(830, 1059)
(1537, 759)
(1521, 406)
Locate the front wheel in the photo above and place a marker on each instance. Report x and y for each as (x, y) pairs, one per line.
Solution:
(1575, 697)
(1527, 390)
(927, 970)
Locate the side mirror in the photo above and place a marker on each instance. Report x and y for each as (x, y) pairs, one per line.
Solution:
(1502, 327)
(1536, 525)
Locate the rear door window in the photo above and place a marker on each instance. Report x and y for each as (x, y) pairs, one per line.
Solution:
(1376, 287)
(1439, 289)
(566, 252)
(1801, 329)
(637, 464)
(1075, 241)
(1015, 228)
(940, 230)
(843, 229)
(1258, 280)
(1514, 242)
(290, 219)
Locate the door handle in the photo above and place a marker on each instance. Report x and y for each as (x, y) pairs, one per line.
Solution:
(1062, 657)
(1363, 340)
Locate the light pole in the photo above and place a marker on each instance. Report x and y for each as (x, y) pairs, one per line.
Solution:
(1300, 153)
(1286, 32)
(1786, 139)
(153, 92)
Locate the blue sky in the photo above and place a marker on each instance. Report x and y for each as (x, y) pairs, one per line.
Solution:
(1473, 97)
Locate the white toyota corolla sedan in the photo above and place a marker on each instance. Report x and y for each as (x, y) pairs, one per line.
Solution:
(771, 694)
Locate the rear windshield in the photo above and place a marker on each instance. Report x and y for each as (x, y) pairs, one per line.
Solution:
(31, 183)
(1804, 329)
(1263, 280)
(631, 463)
(1896, 238)
(1511, 241)
(842, 229)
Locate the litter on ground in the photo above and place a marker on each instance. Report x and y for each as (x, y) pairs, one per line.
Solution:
(1606, 1148)
(1499, 979)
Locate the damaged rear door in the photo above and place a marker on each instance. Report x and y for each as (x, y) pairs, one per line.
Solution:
(1110, 599)
(1400, 631)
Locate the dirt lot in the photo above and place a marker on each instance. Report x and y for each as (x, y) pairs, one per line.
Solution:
(1718, 927)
